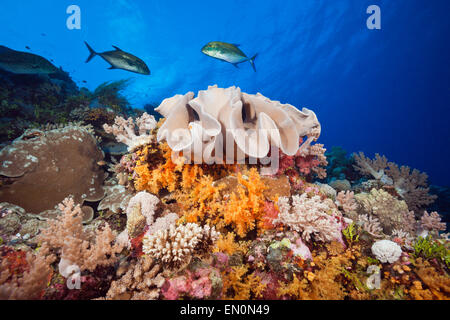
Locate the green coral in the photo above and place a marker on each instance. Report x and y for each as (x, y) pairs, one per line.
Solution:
(350, 234)
(431, 249)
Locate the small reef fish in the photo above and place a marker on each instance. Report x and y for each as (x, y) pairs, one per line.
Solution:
(227, 52)
(24, 62)
(119, 59)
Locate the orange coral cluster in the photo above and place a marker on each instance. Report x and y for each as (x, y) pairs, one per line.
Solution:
(195, 189)
(244, 208)
(239, 284)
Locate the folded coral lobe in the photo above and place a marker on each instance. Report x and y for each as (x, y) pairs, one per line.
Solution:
(254, 124)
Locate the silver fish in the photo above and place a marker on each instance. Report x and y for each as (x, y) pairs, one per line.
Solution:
(24, 62)
(227, 52)
(119, 59)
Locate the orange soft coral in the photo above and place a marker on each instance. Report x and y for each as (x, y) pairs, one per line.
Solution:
(239, 285)
(227, 244)
(244, 208)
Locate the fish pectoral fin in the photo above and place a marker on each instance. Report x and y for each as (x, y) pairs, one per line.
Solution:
(117, 48)
(235, 65)
(112, 67)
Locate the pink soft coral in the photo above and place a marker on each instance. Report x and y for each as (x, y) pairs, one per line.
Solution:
(305, 162)
(311, 217)
(432, 222)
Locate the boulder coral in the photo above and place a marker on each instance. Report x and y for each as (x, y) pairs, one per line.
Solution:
(43, 167)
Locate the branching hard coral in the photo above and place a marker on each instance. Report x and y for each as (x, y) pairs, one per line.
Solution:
(311, 217)
(66, 234)
(33, 282)
(432, 222)
(346, 200)
(125, 131)
(176, 245)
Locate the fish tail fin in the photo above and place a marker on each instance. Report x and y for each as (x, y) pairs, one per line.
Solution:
(91, 51)
(252, 62)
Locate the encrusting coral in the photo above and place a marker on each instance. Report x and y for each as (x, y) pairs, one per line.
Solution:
(47, 166)
(33, 281)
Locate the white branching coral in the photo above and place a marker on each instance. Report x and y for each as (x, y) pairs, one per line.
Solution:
(310, 217)
(386, 251)
(175, 245)
(125, 130)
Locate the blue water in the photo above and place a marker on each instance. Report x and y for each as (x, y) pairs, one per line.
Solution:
(383, 91)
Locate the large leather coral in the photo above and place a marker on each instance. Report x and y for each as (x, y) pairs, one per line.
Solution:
(203, 125)
(44, 167)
